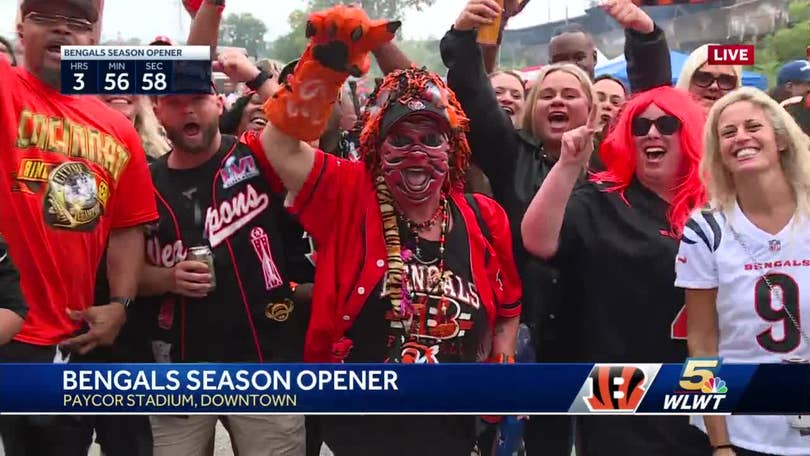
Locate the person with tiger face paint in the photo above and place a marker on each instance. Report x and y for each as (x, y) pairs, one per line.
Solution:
(410, 268)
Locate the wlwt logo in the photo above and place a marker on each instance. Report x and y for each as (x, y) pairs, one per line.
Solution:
(700, 389)
(731, 54)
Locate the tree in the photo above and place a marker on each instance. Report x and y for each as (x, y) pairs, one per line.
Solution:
(290, 46)
(785, 44)
(243, 31)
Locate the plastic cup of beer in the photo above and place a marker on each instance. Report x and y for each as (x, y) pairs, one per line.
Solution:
(488, 34)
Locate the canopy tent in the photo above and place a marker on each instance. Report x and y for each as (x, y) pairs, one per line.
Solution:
(618, 69)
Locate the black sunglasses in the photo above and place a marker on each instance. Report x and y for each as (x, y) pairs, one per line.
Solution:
(724, 81)
(666, 125)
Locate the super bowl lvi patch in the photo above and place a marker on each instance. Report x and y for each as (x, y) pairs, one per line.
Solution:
(279, 311)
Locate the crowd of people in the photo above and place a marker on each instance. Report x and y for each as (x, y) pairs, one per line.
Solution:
(615, 223)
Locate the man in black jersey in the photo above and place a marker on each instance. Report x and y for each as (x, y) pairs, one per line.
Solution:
(218, 191)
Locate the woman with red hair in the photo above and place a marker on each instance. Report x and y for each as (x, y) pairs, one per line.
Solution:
(615, 239)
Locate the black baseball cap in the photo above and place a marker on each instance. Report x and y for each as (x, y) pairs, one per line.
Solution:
(84, 8)
(286, 71)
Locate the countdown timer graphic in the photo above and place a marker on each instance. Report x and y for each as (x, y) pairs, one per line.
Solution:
(136, 70)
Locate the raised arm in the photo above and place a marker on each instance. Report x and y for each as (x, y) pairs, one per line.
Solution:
(543, 221)
(299, 111)
(205, 26)
(490, 52)
(390, 58)
(492, 136)
(645, 46)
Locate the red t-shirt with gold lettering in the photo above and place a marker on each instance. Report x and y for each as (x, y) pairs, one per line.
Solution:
(71, 169)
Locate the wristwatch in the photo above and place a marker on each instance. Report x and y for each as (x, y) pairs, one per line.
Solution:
(257, 82)
(122, 300)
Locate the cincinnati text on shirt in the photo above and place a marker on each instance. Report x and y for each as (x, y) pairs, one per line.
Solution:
(71, 139)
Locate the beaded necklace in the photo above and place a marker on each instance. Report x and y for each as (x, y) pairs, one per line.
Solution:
(396, 287)
(435, 281)
(427, 224)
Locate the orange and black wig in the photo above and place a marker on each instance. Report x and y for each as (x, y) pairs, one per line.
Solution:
(619, 154)
(405, 87)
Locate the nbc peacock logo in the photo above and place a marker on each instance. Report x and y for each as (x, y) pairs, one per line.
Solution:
(714, 385)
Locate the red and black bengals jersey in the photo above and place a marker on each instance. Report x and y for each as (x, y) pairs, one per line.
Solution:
(453, 331)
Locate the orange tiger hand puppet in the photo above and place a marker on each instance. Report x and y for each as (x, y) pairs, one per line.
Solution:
(340, 39)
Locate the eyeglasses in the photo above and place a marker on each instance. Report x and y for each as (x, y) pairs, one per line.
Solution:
(724, 81)
(75, 24)
(666, 125)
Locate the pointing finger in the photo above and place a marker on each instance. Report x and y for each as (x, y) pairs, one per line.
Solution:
(593, 118)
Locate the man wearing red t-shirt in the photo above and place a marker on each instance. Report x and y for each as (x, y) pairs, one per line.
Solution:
(72, 177)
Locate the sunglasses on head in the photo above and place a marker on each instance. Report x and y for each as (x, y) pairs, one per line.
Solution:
(75, 24)
(724, 81)
(666, 125)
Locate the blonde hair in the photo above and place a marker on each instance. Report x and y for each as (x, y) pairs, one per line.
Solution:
(697, 59)
(146, 124)
(795, 159)
(527, 122)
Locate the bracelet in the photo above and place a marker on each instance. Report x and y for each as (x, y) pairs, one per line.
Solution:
(257, 82)
(722, 447)
(124, 301)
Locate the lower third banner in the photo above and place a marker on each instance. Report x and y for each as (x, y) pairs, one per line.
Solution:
(698, 386)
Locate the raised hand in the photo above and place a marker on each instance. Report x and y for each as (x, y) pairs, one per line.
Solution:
(512, 8)
(577, 144)
(236, 66)
(340, 39)
(629, 15)
(192, 6)
(478, 13)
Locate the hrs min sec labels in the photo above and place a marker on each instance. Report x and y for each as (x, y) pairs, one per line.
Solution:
(136, 70)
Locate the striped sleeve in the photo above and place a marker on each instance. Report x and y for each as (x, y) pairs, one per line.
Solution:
(695, 264)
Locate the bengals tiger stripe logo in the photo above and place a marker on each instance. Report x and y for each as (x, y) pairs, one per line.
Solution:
(616, 388)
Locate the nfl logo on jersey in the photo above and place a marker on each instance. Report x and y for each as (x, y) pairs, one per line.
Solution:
(775, 245)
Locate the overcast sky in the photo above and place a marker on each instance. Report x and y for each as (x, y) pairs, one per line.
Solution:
(146, 19)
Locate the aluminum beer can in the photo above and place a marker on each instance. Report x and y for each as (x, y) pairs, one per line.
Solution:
(203, 254)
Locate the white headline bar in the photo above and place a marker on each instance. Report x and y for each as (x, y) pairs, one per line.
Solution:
(84, 53)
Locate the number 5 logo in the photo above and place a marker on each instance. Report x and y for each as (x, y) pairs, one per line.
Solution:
(701, 369)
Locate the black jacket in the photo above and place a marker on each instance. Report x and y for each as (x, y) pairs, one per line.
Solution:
(516, 165)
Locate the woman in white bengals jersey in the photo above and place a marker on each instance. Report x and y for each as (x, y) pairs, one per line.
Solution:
(743, 261)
